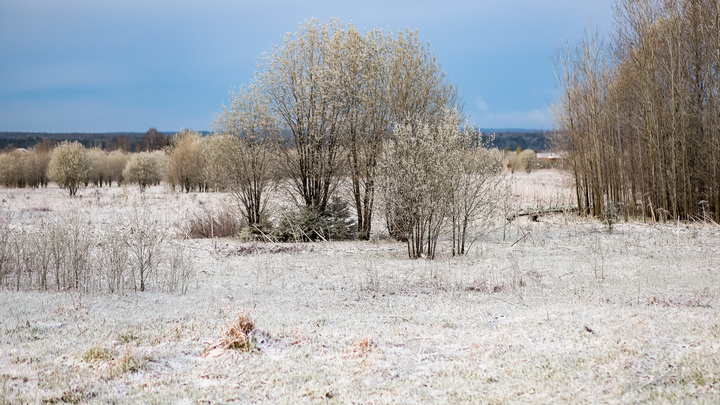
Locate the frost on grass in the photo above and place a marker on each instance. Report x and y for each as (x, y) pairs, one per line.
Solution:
(356, 322)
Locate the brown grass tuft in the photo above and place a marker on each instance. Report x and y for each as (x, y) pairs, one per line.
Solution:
(362, 345)
(236, 335)
(127, 363)
(97, 353)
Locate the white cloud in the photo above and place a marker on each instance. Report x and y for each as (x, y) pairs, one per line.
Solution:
(480, 104)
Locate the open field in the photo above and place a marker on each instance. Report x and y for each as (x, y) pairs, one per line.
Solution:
(565, 314)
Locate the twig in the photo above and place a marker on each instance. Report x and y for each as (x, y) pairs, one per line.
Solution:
(521, 238)
(399, 317)
(269, 239)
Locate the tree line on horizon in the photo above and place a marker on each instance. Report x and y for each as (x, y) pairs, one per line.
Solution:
(123, 141)
(508, 139)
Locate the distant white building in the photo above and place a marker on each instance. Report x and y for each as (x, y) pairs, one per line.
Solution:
(549, 156)
(549, 160)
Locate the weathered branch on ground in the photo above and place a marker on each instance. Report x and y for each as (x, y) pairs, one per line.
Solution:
(536, 214)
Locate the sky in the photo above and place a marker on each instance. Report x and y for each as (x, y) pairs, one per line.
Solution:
(131, 65)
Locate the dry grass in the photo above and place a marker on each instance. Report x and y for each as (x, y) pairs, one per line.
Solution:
(97, 353)
(209, 224)
(362, 345)
(567, 314)
(127, 363)
(237, 334)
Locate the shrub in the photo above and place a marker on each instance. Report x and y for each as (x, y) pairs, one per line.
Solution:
(114, 259)
(180, 271)
(187, 161)
(526, 160)
(73, 253)
(311, 224)
(70, 166)
(145, 240)
(419, 167)
(142, 169)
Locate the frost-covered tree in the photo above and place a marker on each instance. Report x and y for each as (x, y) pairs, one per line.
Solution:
(339, 92)
(114, 166)
(186, 161)
(419, 170)
(70, 166)
(142, 169)
(11, 169)
(302, 90)
(434, 175)
(108, 166)
(384, 80)
(98, 157)
(242, 155)
(476, 190)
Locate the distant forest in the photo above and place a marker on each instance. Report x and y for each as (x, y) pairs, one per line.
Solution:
(153, 139)
(128, 141)
(512, 139)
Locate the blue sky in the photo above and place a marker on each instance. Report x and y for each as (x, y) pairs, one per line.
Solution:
(105, 66)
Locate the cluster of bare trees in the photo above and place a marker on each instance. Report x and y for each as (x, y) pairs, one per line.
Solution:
(70, 164)
(329, 98)
(183, 163)
(24, 168)
(640, 113)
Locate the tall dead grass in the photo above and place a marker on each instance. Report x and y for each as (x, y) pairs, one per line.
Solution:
(78, 253)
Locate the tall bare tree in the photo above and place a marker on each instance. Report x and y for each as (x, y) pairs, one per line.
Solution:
(242, 155)
(301, 88)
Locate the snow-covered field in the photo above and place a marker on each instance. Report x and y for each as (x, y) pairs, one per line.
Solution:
(565, 314)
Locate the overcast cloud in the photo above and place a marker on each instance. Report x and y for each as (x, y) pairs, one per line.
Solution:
(90, 66)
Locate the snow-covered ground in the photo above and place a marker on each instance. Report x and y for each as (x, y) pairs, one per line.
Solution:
(566, 314)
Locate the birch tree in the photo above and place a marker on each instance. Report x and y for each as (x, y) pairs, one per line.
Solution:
(639, 117)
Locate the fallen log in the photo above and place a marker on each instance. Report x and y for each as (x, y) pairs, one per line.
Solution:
(534, 215)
